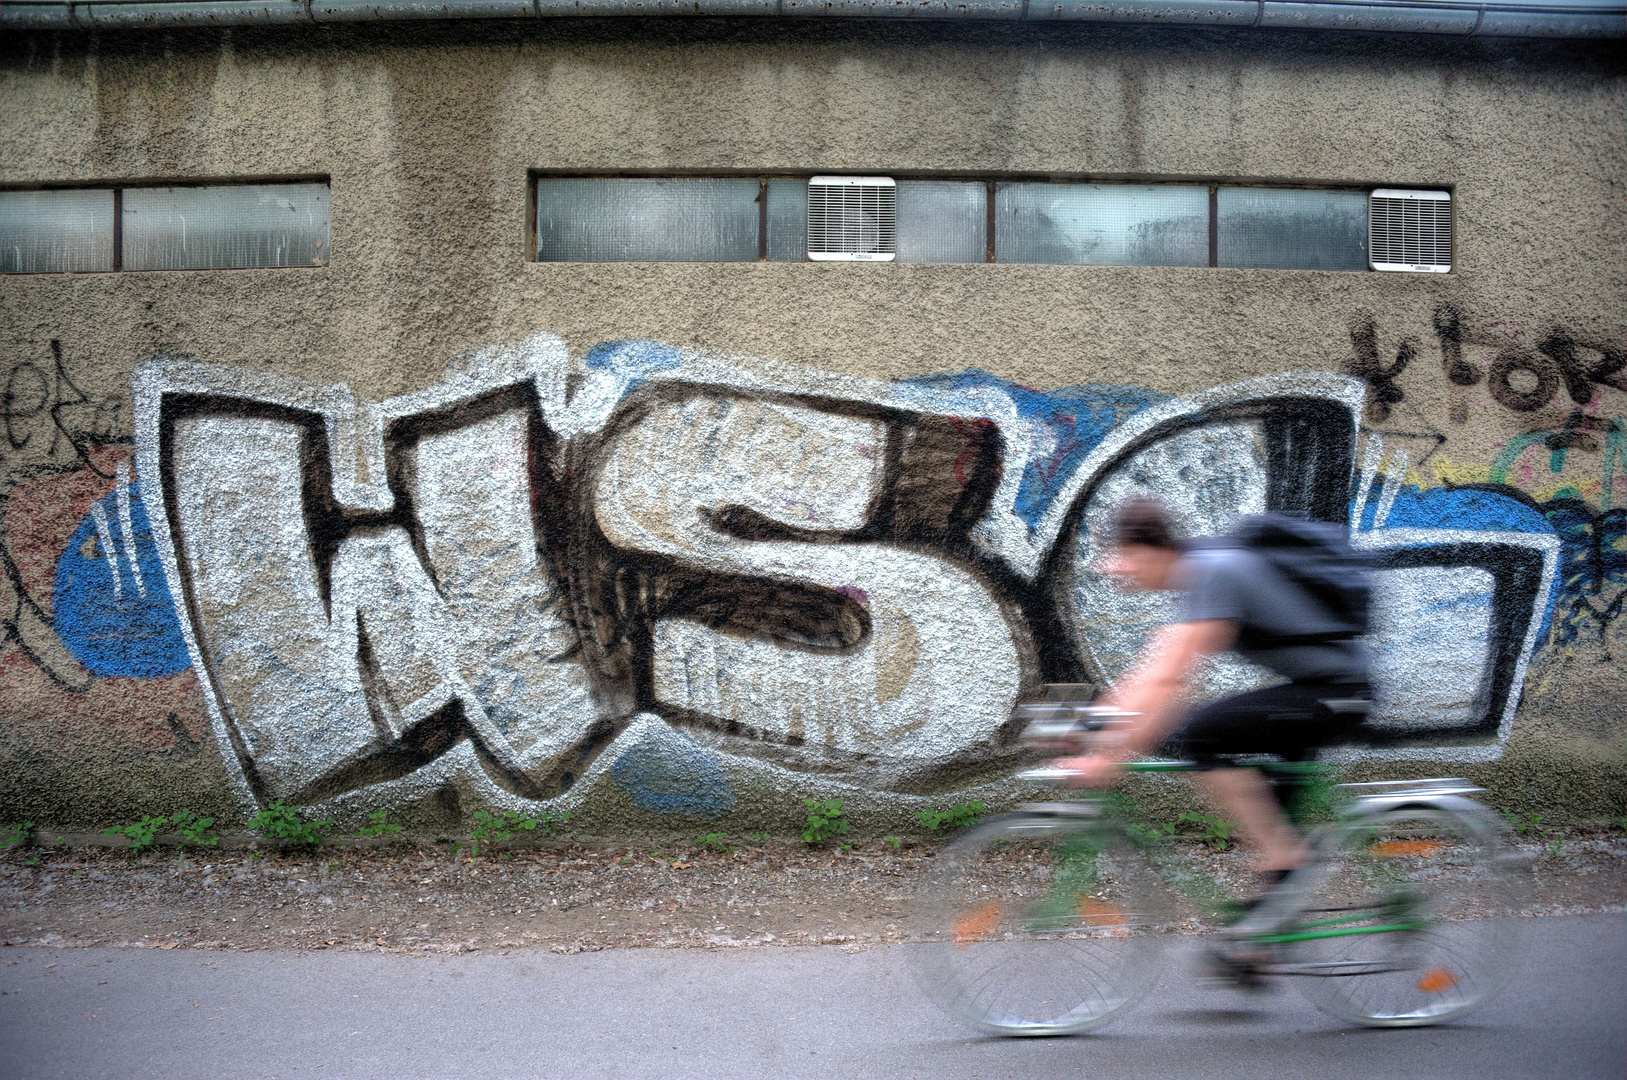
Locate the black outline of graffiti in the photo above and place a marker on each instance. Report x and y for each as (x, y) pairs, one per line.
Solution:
(612, 598)
(1555, 361)
(80, 436)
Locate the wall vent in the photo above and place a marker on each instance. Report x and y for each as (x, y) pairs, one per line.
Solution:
(1410, 230)
(852, 218)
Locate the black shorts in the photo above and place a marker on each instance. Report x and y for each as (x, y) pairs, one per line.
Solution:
(1289, 722)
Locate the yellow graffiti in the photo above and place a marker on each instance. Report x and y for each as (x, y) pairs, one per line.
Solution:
(1448, 473)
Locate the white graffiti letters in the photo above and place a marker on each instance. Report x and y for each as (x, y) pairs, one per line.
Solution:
(938, 658)
(694, 560)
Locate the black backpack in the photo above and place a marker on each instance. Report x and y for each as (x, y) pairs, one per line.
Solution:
(1316, 557)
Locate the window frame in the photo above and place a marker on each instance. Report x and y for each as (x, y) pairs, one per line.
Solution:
(120, 187)
(1214, 184)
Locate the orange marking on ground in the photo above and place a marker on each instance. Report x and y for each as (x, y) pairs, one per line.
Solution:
(1096, 913)
(1395, 849)
(978, 925)
(1436, 981)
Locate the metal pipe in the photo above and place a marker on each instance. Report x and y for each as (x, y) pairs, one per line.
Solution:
(1511, 18)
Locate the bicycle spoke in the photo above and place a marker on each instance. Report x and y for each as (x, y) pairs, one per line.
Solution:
(1045, 961)
(1422, 864)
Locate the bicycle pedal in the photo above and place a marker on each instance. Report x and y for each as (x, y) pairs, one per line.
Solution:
(1223, 969)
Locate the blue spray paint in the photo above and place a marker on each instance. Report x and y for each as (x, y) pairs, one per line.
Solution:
(115, 614)
(1068, 424)
(1471, 510)
(1592, 586)
(633, 360)
(668, 772)
(1455, 508)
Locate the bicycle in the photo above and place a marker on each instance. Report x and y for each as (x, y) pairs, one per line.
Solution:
(1049, 920)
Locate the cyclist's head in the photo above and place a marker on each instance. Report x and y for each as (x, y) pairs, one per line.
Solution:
(1146, 522)
(1145, 547)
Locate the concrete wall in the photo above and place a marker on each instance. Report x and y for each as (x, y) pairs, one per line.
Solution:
(674, 543)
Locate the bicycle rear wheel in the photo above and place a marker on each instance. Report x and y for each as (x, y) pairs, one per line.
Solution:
(1410, 900)
(1037, 925)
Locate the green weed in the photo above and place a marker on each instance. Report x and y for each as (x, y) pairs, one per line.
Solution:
(194, 829)
(505, 825)
(953, 819)
(287, 823)
(1151, 831)
(824, 821)
(377, 825)
(1621, 823)
(1530, 825)
(1214, 830)
(141, 834)
(16, 835)
(1522, 823)
(716, 841)
(760, 837)
(892, 841)
(1211, 829)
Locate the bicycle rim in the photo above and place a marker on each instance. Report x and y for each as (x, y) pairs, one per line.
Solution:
(1414, 895)
(1037, 925)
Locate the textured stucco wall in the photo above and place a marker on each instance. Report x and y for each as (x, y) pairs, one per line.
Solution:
(428, 134)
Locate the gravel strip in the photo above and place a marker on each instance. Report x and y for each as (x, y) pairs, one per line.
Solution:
(416, 898)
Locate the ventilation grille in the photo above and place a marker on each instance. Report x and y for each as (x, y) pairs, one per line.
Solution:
(852, 218)
(1410, 230)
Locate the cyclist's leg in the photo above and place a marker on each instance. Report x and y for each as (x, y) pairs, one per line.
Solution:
(1245, 796)
(1286, 721)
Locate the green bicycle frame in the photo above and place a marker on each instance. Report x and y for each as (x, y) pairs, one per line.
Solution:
(1315, 930)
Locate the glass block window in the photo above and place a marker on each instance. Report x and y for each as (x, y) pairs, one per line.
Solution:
(207, 227)
(602, 219)
(937, 220)
(43, 232)
(1289, 229)
(787, 220)
(1102, 224)
(942, 221)
(683, 219)
(225, 227)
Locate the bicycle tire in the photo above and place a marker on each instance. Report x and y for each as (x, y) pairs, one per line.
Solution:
(1445, 871)
(1037, 925)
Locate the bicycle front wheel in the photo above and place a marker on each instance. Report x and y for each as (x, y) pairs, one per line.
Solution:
(1403, 927)
(1037, 925)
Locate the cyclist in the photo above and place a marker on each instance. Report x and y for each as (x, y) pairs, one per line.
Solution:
(1238, 596)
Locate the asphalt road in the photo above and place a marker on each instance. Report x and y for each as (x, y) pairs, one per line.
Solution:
(758, 1012)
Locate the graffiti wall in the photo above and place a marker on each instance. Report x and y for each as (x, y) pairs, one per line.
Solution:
(673, 573)
(93, 662)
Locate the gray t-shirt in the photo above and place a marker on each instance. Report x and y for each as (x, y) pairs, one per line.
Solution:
(1240, 585)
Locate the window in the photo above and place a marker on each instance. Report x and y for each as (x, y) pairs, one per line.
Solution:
(699, 219)
(1291, 229)
(624, 220)
(682, 219)
(943, 221)
(1102, 224)
(43, 232)
(215, 226)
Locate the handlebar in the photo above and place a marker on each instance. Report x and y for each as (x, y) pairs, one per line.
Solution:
(1064, 726)
(1050, 776)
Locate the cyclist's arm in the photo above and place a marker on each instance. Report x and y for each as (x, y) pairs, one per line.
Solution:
(1153, 692)
(1154, 687)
